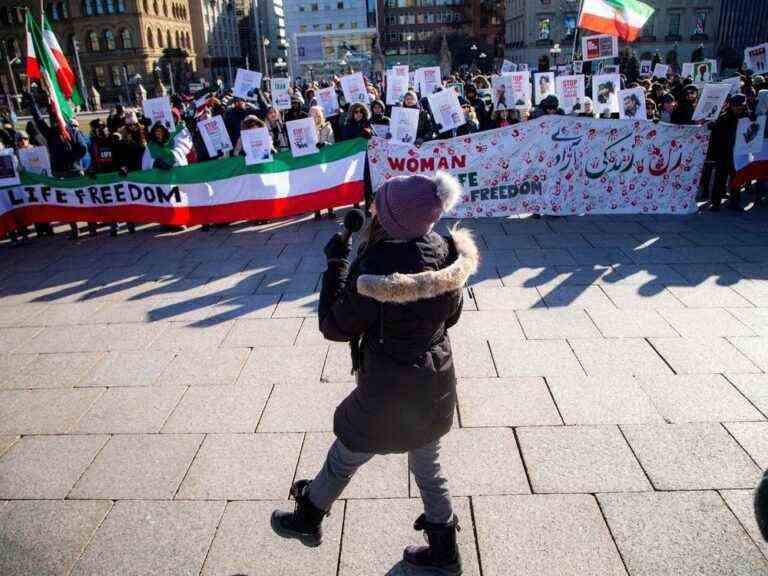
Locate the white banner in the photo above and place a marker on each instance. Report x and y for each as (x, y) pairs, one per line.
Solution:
(397, 84)
(560, 165)
(429, 79)
(446, 110)
(302, 135)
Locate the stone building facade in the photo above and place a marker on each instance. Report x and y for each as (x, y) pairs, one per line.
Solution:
(217, 39)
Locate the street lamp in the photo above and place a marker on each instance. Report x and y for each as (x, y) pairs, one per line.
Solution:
(265, 45)
(473, 50)
(482, 60)
(555, 51)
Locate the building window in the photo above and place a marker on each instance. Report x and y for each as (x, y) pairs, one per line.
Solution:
(165, 9)
(303, 28)
(569, 25)
(87, 8)
(545, 28)
(674, 23)
(150, 39)
(146, 6)
(126, 38)
(329, 26)
(169, 39)
(98, 76)
(650, 25)
(99, 6)
(700, 22)
(159, 38)
(341, 26)
(155, 9)
(117, 76)
(353, 25)
(340, 5)
(178, 40)
(93, 42)
(109, 40)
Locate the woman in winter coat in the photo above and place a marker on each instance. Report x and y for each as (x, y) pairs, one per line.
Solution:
(324, 138)
(358, 125)
(426, 128)
(379, 117)
(277, 129)
(394, 304)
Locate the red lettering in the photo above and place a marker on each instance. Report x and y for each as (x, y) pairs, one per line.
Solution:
(458, 161)
(427, 165)
(442, 164)
(396, 163)
(412, 165)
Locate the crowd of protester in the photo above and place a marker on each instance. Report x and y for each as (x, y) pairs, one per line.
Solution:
(127, 141)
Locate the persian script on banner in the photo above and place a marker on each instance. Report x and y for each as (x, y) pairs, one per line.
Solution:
(560, 165)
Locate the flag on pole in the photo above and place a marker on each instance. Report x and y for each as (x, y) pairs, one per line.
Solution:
(40, 67)
(621, 18)
(64, 72)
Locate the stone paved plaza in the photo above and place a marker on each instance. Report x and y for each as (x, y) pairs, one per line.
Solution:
(160, 392)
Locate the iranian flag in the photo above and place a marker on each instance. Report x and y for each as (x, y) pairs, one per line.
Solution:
(622, 18)
(64, 73)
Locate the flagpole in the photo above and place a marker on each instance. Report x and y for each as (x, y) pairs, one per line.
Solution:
(576, 34)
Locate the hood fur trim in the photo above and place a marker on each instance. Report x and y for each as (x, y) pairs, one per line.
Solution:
(404, 288)
(448, 190)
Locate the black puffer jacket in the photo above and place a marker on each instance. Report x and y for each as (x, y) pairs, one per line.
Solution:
(395, 304)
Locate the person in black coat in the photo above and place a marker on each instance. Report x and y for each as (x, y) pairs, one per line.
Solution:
(358, 124)
(483, 118)
(721, 151)
(394, 304)
(683, 114)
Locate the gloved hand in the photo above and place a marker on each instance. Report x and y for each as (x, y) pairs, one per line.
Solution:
(161, 164)
(123, 171)
(321, 144)
(338, 247)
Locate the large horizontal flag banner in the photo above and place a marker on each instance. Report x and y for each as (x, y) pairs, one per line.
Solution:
(560, 165)
(622, 18)
(224, 190)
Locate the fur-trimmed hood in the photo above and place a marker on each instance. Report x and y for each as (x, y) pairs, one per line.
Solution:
(404, 288)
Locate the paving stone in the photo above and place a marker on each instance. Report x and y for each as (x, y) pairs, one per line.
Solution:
(472, 359)
(703, 355)
(756, 349)
(44, 411)
(756, 319)
(194, 311)
(506, 402)
(376, 531)
(646, 296)
(218, 409)
(298, 305)
(191, 337)
(705, 322)
(21, 315)
(129, 368)
(53, 371)
(71, 313)
(534, 358)
(284, 364)
(244, 531)
(526, 276)
(741, 503)
(133, 410)
(138, 466)
(516, 242)
(46, 467)
(243, 467)
(133, 534)
(717, 274)
(480, 461)
(309, 334)
(474, 326)
(381, 477)
(204, 368)
(576, 459)
(624, 356)
(603, 255)
(691, 456)
(17, 339)
(553, 240)
(544, 256)
(698, 398)
(97, 338)
(125, 312)
(338, 364)
(709, 296)
(576, 297)
(263, 332)
(752, 437)
(606, 399)
(754, 387)
(6, 442)
(303, 406)
(494, 298)
(557, 324)
(666, 534)
(564, 535)
(656, 275)
(13, 364)
(46, 537)
(278, 283)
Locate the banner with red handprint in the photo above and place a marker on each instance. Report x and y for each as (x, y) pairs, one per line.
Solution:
(560, 165)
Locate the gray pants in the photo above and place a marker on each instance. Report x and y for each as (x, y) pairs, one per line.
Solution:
(341, 464)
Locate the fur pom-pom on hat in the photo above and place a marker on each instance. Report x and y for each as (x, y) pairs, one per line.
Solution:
(409, 206)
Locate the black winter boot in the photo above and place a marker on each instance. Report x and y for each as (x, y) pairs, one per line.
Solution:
(441, 557)
(304, 523)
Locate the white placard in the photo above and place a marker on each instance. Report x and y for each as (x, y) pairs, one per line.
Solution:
(215, 135)
(605, 89)
(749, 136)
(756, 58)
(501, 91)
(569, 89)
(632, 104)
(404, 124)
(302, 135)
(703, 71)
(762, 103)
(257, 145)
(599, 47)
(609, 69)
(521, 90)
(380, 130)
(660, 70)
(646, 66)
(446, 110)
(159, 110)
(9, 175)
(735, 84)
(353, 86)
(328, 100)
(687, 70)
(543, 85)
(397, 84)
(247, 84)
(508, 66)
(35, 159)
(577, 66)
(281, 98)
(523, 67)
(711, 101)
(429, 79)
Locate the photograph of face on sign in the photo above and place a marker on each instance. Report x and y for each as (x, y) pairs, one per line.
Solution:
(632, 104)
(302, 136)
(605, 89)
(703, 71)
(544, 85)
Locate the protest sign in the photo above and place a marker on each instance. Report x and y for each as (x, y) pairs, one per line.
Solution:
(632, 104)
(328, 100)
(508, 66)
(397, 84)
(711, 101)
(35, 159)
(609, 69)
(9, 173)
(223, 190)
(428, 79)
(605, 89)
(257, 145)
(159, 110)
(762, 103)
(569, 89)
(520, 95)
(687, 70)
(646, 66)
(501, 89)
(215, 135)
(703, 71)
(457, 87)
(544, 85)
(355, 91)
(750, 136)
(523, 67)
(734, 83)
(404, 124)
(599, 47)
(756, 58)
(560, 165)
(302, 135)
(446, 110)
(380, 130)
(660, 70)
(577, 66)
(247, 84)
(281, 98)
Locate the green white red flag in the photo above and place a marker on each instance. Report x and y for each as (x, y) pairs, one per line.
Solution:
(64, 73)
(622, 18)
